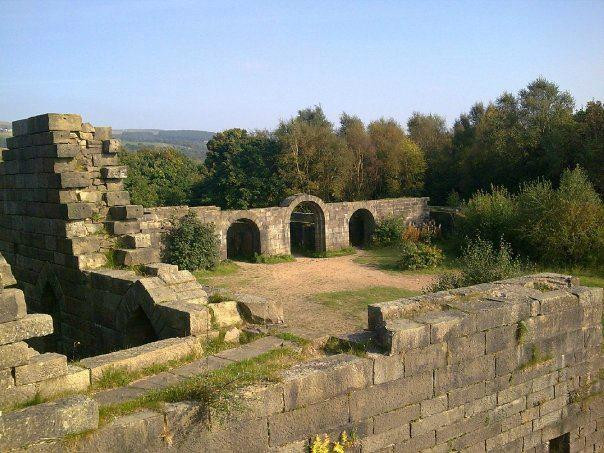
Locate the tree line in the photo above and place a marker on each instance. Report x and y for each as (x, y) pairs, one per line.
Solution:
(505, 143)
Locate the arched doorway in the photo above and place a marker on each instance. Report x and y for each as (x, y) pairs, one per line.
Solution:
(307, 228)
(360, 228)
(243, 240)
(139, 330)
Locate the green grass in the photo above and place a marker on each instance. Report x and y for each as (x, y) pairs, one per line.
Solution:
(216, 298)
(216, 390)
(273, 259)
(354, 302)
(287, 336)
(386, 259)
(226, 267)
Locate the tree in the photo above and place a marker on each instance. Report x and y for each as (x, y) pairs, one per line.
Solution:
(401, 162)
(589, 142)
(313, 158)
(242, 170)
(364, 169)
(160, 176)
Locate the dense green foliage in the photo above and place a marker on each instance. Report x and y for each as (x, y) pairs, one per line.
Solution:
(389, 232)
(242, 170)
(418, 255)
(480, 262)
(160, 177)
(192, 244)
(563, 225)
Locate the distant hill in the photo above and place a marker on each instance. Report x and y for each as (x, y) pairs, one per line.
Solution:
(190, 142)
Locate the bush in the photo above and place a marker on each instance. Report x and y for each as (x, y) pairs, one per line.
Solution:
(563, 226)
(489, 215)
(192, 244)
(480, 262)
(389, 232)
(417, 255)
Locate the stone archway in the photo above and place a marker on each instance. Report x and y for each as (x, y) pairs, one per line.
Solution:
(243, 239)
(307, 228)
(360, 228)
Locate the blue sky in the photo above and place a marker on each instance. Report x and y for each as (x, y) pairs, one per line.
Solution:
(215, 65)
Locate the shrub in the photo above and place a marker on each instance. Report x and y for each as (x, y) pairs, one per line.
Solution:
(481, 262)
(192, 244)
(417, 255)
(489, 215)
(389, 232)
(564, 225)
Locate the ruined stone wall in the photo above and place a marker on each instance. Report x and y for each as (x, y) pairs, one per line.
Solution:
(64, 214)
(509, 366)
(274, 222)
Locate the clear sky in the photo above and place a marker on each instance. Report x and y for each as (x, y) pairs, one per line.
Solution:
(215, 65)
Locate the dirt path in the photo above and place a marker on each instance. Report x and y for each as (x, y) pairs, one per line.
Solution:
(294, 283)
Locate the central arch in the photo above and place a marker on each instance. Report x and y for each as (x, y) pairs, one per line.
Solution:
(360, 228)
(307, 228)
(243, 239)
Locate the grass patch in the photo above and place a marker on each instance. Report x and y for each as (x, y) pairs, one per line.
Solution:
(537, 357)
(215, 390)
(354, 302)
(273, 259)
(287, 336)
(120, 376)
(36, 399)
(226, 267)
(216, 298)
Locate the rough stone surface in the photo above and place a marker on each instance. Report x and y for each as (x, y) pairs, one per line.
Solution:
(45, 421)
(225, 314)
(40, 368)
(12, 305)
(30, 326)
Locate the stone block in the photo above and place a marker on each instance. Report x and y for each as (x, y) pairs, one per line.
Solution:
(501, 338)
(464, 373)
(377, 442)
(118, 172)
(556, 301)
(138, 240)
(123, 227)
(434, 405)
(126, 212)
(447, 324)
(259, 310)
(321, 379)
(423, 359)
(102, 133)
(54, 122)
(15, 354)
(76, 380)
(134, 257)
(52, 420)
(142, 356)
(389, 396)
(76, 211)
(225, 314)
(417, 443)
(398, 417)
(435, 421)
(399, 335)
(111, 146)
(305, 422)
(12, 305)
(41, 367)
(74, 180)
(6, 379)
(387, 368)
(466, 348)
(118, 197)
(30, 326)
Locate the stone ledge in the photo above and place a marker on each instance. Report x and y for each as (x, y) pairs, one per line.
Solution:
(30, 326)
(47, 421)
(142, 356)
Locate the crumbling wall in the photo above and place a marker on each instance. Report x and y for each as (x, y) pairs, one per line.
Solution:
(507, 366)
(274, 222)
(64, 215)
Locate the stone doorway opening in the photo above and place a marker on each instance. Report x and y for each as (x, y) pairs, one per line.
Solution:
(139, 330)
(307, 228)
(243, 240)
(50, 304)
(360, 228)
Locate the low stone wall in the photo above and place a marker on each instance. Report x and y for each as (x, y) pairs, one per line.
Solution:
(274, 223)
(508, 366)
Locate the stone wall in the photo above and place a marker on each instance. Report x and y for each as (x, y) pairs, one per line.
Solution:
(64, 218)
(274, 223)
(509, 366)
